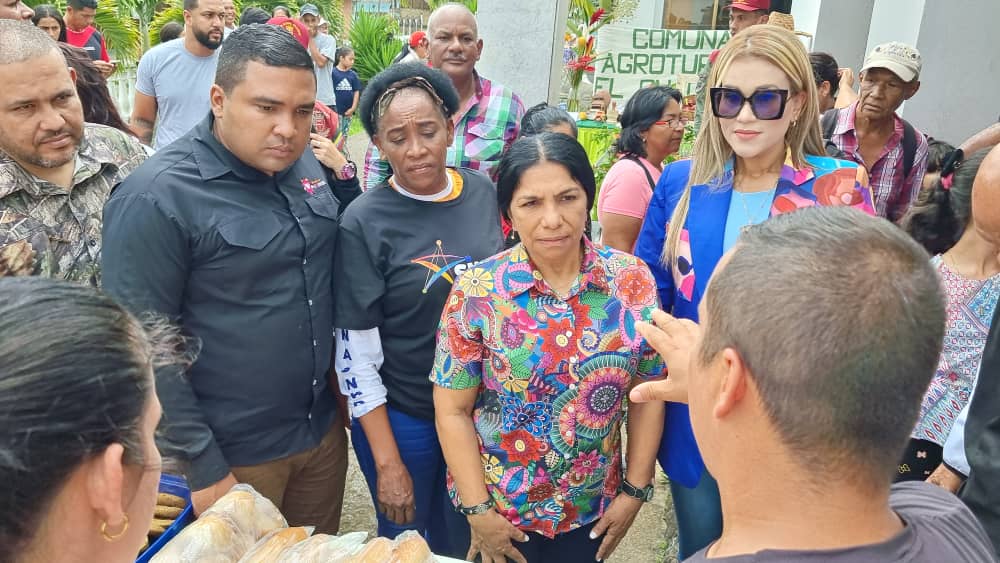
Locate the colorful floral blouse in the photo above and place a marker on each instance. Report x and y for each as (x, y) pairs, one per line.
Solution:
(553, 378)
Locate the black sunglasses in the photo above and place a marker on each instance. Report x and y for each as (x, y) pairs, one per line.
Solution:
(727, 103)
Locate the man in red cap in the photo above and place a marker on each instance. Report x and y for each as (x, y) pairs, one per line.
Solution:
(742, 15)
(418, 48)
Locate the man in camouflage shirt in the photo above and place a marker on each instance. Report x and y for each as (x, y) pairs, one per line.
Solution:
(56, 172)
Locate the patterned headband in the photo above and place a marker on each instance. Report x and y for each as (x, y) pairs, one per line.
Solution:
(386, 98)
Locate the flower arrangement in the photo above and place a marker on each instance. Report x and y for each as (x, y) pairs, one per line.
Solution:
(586, 17)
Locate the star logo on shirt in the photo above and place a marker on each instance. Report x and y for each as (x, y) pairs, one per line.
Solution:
(439, 265)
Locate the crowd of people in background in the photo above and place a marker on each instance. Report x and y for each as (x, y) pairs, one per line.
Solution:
(796, 322)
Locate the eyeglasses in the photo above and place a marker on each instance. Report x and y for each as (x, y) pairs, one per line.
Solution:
(727, 103)
(673, 123)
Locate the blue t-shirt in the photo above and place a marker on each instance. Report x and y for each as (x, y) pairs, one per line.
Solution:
(746, 209)
(345, 84)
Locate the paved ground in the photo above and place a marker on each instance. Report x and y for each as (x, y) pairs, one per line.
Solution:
(646, 541)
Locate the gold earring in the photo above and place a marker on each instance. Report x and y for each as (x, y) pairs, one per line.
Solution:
(114, 537)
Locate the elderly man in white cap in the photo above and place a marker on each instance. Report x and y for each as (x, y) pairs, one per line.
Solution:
(870, 133)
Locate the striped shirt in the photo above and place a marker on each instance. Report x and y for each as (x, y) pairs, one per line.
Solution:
(487, 124)
(893, 194)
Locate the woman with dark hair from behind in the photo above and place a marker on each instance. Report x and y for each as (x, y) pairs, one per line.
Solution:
(91, 86)
(535, 356)
(826, 73)
(543, 118)
(79, 469)
(253, 14)
(943, 223)
(172, 30)
(48, 18)
(937, 154)
(652, 129)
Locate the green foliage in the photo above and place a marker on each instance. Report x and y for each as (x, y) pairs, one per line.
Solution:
(331, 10)
(114, 19)
(373, 37)
(472, 5)
(174, 12)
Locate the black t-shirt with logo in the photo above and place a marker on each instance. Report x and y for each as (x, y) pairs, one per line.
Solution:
(396, 260)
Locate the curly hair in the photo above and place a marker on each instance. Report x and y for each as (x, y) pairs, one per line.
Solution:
(400, 77)
(941, 214)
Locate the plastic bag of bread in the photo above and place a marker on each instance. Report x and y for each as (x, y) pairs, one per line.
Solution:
(252, 511)
(213, 538)
(379, 550)
(323, 548)
(411, 547)
(275, 543)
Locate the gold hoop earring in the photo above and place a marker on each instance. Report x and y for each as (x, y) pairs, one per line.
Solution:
(114, 537)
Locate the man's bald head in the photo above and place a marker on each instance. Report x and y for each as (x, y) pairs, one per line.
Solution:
(451, 13)
(21, 41)
(986, 197)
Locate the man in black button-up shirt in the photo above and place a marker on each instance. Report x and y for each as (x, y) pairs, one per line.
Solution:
(230, 232)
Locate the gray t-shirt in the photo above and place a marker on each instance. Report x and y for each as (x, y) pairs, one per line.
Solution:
(395, 263)
(324, 74)
(180, 82)
(939, 529)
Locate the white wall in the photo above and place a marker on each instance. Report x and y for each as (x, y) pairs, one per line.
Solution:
(841, 28)
(961, 70)
(899, 20)
(522, 45)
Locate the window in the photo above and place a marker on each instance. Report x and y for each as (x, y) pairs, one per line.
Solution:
(695, 14)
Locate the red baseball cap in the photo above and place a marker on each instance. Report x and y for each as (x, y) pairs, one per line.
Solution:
(298, 29)
(751, 5)
(415, 38)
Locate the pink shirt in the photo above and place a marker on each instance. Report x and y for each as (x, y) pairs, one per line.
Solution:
(626, 189)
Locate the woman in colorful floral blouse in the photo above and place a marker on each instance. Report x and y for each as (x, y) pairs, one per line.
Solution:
(537, 350)
(759, 153)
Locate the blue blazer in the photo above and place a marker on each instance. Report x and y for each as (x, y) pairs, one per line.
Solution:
(681, 284)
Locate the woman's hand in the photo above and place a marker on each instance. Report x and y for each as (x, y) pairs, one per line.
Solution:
(615, 523)
(395, 493)
(491, 538)
(326, 152)
(946, 479)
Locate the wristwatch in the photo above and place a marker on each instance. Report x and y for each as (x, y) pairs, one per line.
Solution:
(348, 172)
(645, 494)
(477, 509)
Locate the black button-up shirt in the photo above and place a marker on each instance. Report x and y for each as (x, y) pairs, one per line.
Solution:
(243, 262)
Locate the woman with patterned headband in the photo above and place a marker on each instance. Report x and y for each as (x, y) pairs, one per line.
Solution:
(400, 247)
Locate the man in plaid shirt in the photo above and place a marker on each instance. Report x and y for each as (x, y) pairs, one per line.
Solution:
(870, 133)
(489, 118)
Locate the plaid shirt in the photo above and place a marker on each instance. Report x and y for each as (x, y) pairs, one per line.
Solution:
(893, 194)
(484, 128)
(62, 226)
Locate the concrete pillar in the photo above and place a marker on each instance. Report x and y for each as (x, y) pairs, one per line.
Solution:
(523, 45)
(841, 28)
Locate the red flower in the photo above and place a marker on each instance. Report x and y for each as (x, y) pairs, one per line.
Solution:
(559, 340)
(581, 63)
(521, 447)
(635, 287)
(462, 349)
(541, 492)
(598, 14)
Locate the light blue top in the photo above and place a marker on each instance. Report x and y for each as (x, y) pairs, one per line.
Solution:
(746, 209)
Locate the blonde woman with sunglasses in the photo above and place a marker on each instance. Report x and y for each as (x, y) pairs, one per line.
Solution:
(758, 154)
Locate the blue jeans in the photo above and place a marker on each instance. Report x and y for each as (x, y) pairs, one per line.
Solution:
(699, 514)
(446, 531)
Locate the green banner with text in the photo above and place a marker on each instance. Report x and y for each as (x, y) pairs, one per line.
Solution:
(640, 57)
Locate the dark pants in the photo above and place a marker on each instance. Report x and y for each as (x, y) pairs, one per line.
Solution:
(307, 487)
(920, 459)
(699, 514)
(446, 531)
(569, 546)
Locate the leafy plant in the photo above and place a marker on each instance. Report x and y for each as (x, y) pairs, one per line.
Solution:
(472, 5)
(173, 12)
(373, 37)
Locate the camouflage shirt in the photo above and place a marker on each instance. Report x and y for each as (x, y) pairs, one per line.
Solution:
(61, 226)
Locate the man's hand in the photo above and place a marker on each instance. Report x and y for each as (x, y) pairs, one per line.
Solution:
(105, 68)
(204, 498)
(326, 152)
(846, 76)
(947, 479)
(17, 259)
(491, 538)
(615, 523)
(395, 493)
(674, 339)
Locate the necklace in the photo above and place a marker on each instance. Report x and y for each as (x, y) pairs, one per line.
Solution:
(759, 209)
